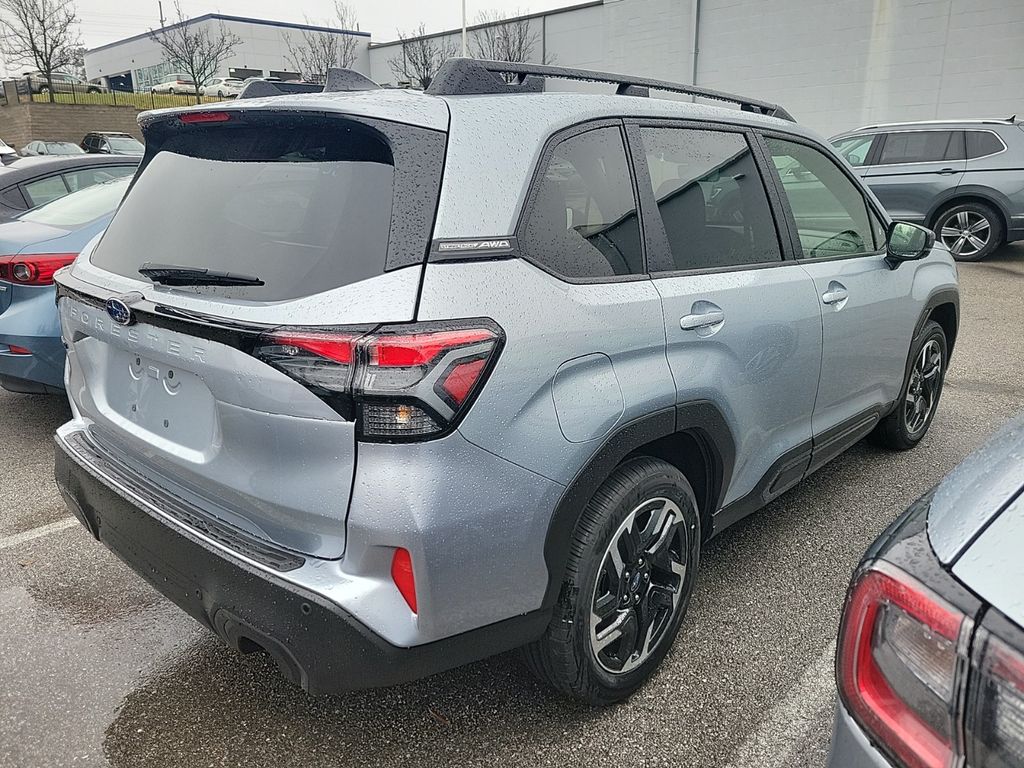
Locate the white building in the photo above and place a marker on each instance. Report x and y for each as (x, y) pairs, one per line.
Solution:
(834, 64)
(137, 63)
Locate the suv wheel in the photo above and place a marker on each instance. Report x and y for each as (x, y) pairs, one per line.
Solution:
(919, 398)
(631, 570)
(971, 231)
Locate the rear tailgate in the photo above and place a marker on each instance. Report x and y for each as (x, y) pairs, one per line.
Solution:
(332, 216)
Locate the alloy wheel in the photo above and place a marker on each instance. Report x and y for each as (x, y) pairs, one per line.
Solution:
(922, 391)
(965, 233)
(639, 585)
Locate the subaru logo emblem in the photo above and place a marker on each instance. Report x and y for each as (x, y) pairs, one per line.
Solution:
(120, 312)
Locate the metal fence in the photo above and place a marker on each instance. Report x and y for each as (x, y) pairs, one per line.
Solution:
(35, 90)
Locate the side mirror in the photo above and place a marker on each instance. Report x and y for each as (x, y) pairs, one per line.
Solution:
(907, 242)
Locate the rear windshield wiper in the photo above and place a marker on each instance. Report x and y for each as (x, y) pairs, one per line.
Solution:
(168, 274)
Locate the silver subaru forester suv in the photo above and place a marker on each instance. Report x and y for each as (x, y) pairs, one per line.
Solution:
(420, 378)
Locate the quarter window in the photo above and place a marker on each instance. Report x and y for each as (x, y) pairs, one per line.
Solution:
(832, 216)
(45, 190)
(921, 147)
(854, 149)
(710, 197)
(982, 143)
(583, 223)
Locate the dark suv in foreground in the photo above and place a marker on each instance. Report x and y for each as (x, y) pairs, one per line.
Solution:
(432, 376)
(962, 178)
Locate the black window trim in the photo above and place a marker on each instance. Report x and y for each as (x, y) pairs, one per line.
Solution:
(829, 151)
(537, 178)
(657, 236)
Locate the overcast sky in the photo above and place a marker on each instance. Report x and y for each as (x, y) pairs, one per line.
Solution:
(104, 21)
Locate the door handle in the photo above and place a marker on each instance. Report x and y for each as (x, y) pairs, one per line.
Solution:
(702, 319)
(836, 293)
(946, 171)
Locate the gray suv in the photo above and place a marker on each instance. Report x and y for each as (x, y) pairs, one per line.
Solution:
(433, 376)
(962, 178)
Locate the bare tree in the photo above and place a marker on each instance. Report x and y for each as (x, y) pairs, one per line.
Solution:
(504, 37)
(194, 50)
(316, 51)
(41, 31)
(421, 56)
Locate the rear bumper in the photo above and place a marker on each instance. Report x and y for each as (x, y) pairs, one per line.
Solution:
(850, 745)
(315, 642)
(31, 322)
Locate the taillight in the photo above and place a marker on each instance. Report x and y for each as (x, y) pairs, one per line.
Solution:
(902, 664)
(995, 710)
(33, 269)
(400, 382)
(205, 117)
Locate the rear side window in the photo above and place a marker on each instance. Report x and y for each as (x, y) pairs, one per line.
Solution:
(920, 147)
(982, 143)
(304, 206)
(83, 179)
(711, 198)
(583, 223)
(44, 190)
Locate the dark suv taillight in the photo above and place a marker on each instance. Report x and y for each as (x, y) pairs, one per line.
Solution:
(400, 382)
(902, 666)
(995, 709)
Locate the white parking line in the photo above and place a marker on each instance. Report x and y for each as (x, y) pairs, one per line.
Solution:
(788, 725)
(43, 530)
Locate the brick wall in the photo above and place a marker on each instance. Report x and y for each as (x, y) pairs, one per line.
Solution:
(25, 122)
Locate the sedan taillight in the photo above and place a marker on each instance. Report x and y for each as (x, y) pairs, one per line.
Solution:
(35, 268)
(400, 382)
(902, 665)
(995, 709)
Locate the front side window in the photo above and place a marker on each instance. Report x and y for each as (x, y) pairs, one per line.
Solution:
(920, 147)
(854, 149)
(711, 198)
(583, 223)
(832, 216)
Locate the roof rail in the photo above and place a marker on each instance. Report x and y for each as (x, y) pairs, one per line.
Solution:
(458, 77)
(338, 80)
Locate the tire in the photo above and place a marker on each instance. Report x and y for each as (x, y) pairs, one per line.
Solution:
(170, 91)
(959, 216)
(901, 429)
(43, 89)
(220, 94)
(93, 90)
(662, 508)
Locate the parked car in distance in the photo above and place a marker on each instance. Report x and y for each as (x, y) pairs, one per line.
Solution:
(930, 660)
(29, 182)
(557, 390)
(8, 154)
(962, 178)
(34, 148)
(176, 83)
(112, 143)
(58, 82)
(32, 248)
(222, 87)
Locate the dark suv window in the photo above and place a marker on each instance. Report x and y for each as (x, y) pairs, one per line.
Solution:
(583, 223)
(711, 198)
(304, 207)
(982, 143)
(921, 147)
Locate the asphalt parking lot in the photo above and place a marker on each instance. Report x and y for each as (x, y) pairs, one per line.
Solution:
(97, 669)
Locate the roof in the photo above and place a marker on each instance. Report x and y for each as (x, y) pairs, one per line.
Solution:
(911, 124)
(227, 17)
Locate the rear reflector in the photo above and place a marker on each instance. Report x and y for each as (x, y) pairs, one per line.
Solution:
(33, 268)
(14, 349)
(900, 666)
(401, 574)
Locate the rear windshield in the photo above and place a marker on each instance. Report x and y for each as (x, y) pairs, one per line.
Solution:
(125, 144)
(304, 208)
(80, 207)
